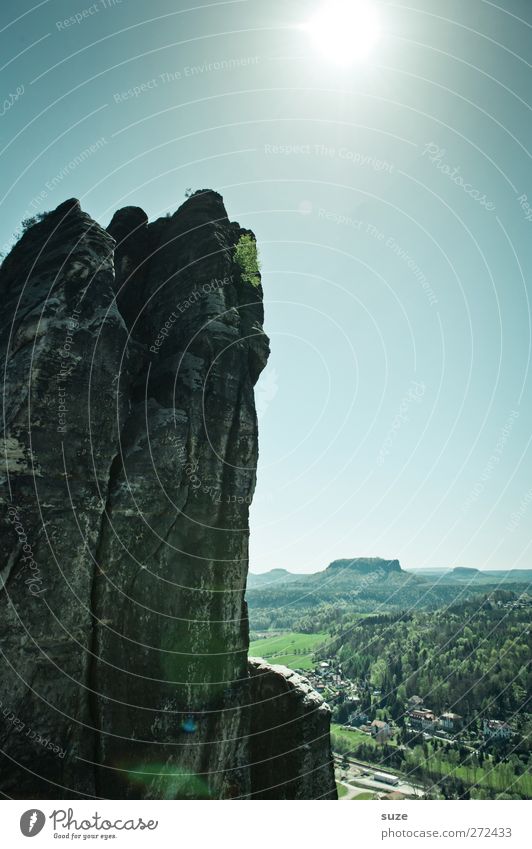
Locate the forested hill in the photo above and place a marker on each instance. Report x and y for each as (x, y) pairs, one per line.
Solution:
(310, 602)
(473, 656)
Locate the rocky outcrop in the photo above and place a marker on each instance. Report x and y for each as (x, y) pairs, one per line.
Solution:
(289, 744)
(62, 340)
(364, 566)
(130, 440)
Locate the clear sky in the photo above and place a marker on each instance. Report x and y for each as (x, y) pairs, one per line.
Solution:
(390, 201)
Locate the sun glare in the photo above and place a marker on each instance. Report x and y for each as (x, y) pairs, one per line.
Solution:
(345, 31)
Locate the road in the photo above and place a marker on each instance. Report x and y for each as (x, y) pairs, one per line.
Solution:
(360, 774)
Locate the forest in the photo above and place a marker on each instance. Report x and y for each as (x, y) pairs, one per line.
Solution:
(470, 657)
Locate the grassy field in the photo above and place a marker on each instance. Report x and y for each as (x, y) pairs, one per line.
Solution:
(342, 791)
(500, 778)
(290, 649)
(362, 796)
(353, 737)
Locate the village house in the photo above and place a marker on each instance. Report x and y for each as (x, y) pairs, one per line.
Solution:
(422, 720)
(495, 729)
(450, 721)
(357, 718)
(380, 731)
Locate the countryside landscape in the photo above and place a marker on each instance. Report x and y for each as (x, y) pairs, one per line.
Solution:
(427, 673)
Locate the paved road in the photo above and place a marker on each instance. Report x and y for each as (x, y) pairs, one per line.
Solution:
(351, 791)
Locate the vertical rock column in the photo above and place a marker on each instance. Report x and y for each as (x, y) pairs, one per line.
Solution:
(172, 674)
(130, 447)
(61, 339)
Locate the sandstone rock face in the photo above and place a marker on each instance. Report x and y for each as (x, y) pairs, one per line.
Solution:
(290, 744)
(130, 439)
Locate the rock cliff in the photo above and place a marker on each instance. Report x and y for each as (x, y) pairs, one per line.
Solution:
(289, 745)
(130, 440)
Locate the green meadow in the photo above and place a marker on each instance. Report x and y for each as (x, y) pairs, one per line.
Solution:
(291, 649)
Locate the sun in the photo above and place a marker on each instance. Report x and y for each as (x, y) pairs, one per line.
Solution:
(345, 31)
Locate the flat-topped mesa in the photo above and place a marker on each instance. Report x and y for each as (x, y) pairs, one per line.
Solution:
(131, 447)
(365, 565)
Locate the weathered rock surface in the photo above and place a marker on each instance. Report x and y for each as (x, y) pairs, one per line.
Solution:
(130, 438)
(289, 744)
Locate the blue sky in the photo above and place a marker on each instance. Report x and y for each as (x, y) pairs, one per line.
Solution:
(390, 203)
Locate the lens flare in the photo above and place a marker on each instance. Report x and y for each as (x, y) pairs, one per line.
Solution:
(345, 31)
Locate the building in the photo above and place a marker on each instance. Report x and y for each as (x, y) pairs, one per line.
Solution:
(386, 778)
(380, 731)
(450, 721)
(441, 734)
(422, 720)
(357, 718)
(414, 703)
(495, 729)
